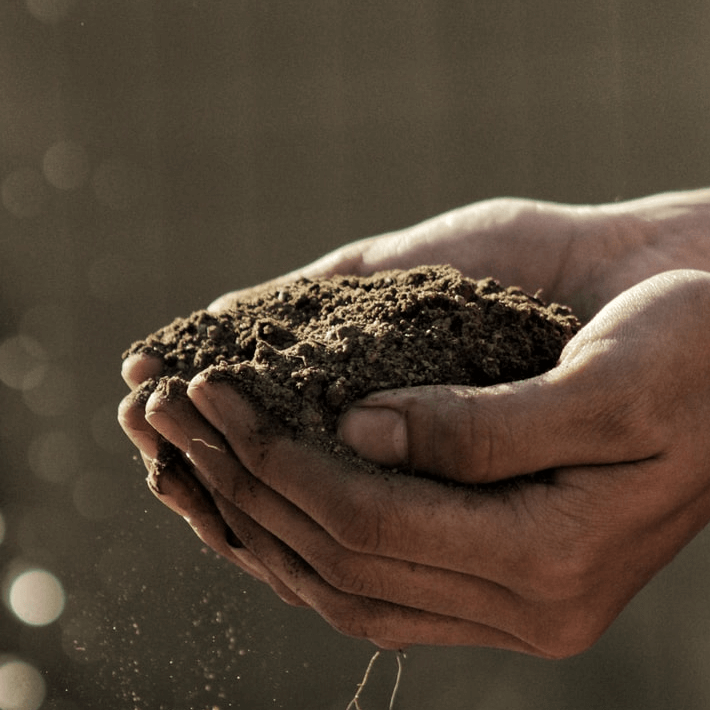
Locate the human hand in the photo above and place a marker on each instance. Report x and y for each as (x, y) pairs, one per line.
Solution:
(500, 237)
(172, 479)
(538, 568)
(582, 256)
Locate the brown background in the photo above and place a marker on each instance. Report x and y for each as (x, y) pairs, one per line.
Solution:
(154, 154)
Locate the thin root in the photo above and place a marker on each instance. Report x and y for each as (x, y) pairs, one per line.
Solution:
(354, 704)
(400, 656)
(210, 446)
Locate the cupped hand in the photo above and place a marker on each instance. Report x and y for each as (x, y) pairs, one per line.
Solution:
(580, 255)
(428, 557)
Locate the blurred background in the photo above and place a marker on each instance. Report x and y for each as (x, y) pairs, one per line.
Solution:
(157, 153)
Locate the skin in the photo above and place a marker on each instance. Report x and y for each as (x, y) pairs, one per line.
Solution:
(542, 568)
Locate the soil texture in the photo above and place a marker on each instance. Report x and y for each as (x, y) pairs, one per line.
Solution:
(305, 352)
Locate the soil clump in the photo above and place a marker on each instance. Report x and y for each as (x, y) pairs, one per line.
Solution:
(306, 351)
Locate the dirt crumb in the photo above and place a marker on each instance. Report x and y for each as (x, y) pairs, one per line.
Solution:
(305, 352)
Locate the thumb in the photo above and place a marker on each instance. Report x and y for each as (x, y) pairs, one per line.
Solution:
(608, 401)
(476, 435)
(458, 433)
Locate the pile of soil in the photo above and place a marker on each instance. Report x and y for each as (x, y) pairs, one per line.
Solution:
(305, 352)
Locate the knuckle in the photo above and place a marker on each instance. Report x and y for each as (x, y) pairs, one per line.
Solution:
(348, 624)
(345, 575)
(569, 634)
(357, 525)
(348, 613)
(564, 572)
(460, 434)
(636, 423)
(571, 620)
(483, 439)
(351, 575)
(562, 578)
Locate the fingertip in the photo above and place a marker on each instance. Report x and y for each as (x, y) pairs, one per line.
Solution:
(199, 383)
(140, 367)
(126, 410)
(131, 418)
(222, 405)
(376, 433)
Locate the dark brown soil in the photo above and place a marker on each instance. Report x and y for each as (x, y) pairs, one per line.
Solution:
(306, 352)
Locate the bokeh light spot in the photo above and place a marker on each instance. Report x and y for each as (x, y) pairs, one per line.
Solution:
(54, 395)
(66, 165)
(53, 456)
(24, 193)
(21, 685)
(23, 362)
(50, 11)
(37, 597)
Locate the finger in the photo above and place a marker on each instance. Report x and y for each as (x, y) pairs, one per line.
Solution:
(131, 417)
(596, 407)
(416, 586)
(180, 492)
(177, 485)
(382, 513)
(140, 367)
(465, 434)
(251, 564)
(358, 616)
(561, 418)
(171, 482)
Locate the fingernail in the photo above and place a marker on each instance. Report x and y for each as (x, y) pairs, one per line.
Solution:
(376, 433)
(199, 391)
